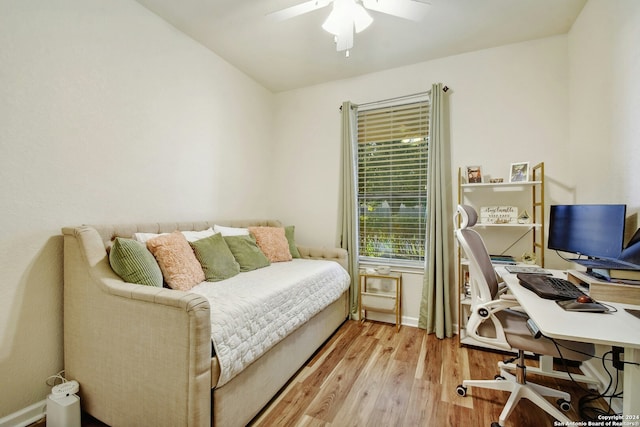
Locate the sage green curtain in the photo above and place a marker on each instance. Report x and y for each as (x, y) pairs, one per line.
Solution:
(435, 306)
(348, 205)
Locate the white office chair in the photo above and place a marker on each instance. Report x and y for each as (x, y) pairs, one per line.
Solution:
(495, 320)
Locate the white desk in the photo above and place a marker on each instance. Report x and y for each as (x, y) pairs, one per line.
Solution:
(619, 329)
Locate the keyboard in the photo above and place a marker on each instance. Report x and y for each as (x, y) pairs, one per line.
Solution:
(548, 287)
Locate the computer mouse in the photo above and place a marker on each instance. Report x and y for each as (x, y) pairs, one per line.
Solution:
(583, 299)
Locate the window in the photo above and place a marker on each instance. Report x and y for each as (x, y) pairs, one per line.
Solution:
(392, 182)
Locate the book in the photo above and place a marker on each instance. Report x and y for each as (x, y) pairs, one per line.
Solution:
(613, 274)
(531, 269)
(503, 259)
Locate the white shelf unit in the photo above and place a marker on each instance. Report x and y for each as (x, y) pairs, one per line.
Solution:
(529, 196)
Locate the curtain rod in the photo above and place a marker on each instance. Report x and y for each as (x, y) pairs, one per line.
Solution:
(397, 98)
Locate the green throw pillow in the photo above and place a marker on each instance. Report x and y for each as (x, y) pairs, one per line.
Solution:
(246, 252)
(216, 258)
(289, 231)
(134, 263)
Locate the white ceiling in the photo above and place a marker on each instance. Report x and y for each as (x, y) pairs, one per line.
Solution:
(297, 52)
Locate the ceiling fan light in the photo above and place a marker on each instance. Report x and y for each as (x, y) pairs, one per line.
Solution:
(361, 18)
(344, 41)
(345, 15)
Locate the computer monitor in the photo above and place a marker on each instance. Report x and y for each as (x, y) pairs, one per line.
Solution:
(590, 230)
(631, 253)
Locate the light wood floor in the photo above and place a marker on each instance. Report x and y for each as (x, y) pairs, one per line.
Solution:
(368, 374)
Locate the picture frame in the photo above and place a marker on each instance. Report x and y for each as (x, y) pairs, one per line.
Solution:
(473, 174)
(519, 172)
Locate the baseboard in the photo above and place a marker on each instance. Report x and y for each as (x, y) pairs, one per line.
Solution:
(409, 321)
(25, 416)
(390, 318)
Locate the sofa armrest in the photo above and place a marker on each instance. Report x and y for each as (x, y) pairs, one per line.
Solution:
(141, 354)
(332, 254)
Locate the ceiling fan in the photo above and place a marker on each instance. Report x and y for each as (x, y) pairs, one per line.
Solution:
(348, 16)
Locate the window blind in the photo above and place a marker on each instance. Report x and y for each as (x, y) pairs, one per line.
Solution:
(392, 181)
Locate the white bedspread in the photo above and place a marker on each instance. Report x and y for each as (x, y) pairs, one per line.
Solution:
(253, 311)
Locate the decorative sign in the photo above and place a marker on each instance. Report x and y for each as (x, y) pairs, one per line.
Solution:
(499, 215)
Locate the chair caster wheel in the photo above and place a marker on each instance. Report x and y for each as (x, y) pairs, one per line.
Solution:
(564, 405)
(461, 390)
(499, 377)
(495, 425)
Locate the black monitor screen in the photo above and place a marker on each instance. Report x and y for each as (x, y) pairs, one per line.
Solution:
(591, 230)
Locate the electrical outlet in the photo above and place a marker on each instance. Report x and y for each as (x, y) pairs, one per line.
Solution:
(617, 362)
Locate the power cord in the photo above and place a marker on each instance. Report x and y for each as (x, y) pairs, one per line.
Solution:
(587, 354)
(610, 308)
(51, 381)
(565, 258)
(587, 411)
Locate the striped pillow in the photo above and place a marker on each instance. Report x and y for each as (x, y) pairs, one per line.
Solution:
(134, 263)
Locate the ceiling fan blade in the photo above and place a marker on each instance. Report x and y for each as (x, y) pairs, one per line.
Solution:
(299, 9)
(407, 9)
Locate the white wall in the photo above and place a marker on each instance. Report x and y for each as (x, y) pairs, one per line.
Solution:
(107, 114)
(507, 104)
(604, 65)
(605, 102)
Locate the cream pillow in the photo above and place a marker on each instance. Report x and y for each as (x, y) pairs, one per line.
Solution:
(144, 237)
(230, 231)
(273, 242)
(191, 236)
(179, 265)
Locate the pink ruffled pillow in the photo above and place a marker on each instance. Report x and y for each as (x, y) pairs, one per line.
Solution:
(273, 242)
(179, 265)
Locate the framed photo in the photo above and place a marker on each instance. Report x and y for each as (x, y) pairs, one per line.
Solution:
(474, 174)
(519, 172)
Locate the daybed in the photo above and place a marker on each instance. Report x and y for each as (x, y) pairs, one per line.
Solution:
(143, 355)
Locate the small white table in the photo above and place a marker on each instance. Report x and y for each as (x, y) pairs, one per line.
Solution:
(620, 329)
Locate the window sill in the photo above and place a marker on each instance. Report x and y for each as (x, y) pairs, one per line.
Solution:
(413, 268)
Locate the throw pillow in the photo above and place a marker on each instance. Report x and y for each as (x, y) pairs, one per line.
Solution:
(179, 265)
(192, 236)
(246, 252)
(216, 258)
(273, 242)
(289, 231)
(144, 237)
(230, 231)
(134, 263)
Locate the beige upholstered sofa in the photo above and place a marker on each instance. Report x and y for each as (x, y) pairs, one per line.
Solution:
(133, 374)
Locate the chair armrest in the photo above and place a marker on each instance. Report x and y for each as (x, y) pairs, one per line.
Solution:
(487, 312)
(498, 304)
